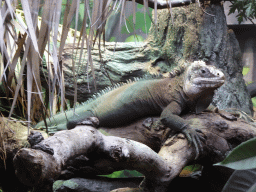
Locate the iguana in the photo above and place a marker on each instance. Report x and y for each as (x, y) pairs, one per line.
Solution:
(191, 90)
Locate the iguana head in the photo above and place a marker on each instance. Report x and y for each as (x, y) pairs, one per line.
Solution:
(201, 80)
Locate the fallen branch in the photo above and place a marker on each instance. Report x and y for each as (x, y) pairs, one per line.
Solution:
(106, 154)
(35, 167)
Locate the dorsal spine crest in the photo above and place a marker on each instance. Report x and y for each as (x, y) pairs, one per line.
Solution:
(175, 72)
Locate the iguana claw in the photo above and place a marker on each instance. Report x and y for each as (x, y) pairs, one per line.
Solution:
(53, 129)
(240, 114)
(193, 136)
(233, 114)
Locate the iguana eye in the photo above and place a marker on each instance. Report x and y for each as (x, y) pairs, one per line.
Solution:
(203, 71)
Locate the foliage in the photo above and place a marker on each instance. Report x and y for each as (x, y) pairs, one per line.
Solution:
(245, 70)
(124, 174)
(242, 157)
(243, 160)
(188, 170)
(134, 38)
(241, 181)
(246, 9)
(142, 24)
(254, 101)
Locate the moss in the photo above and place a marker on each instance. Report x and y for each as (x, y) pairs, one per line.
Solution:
(68, 184)
(57, 184)
(177, 38)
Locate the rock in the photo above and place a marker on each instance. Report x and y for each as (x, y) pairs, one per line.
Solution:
(100, 184)
(120, 62)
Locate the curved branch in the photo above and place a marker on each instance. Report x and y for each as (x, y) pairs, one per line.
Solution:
(35, 167)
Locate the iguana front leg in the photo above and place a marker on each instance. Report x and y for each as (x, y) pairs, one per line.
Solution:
(169, 117)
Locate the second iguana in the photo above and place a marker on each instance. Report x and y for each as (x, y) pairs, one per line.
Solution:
(191, 90)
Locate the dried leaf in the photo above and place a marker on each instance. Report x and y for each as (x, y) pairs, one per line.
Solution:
(19, 81)
(32, 32)
(69, 16)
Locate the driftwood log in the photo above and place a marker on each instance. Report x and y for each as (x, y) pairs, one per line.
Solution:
(105, 154)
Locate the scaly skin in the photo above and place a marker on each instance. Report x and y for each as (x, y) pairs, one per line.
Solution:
(167, 98)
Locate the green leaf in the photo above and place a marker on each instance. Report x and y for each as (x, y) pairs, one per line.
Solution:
(254, 101)
(192, 168)
(240, 19)
(112, 39)
(141, 23)
(241, 180)
(253, 188)
(242, 157)
(248, 11)
(124, 174)
(245, 70)
(139, 6)
(232, 9)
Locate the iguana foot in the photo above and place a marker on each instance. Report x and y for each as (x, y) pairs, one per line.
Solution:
(193, 136)
(240, 114)
(35, 137)
(44, 147)
(92, 121)
(52, 129)
(232, 114)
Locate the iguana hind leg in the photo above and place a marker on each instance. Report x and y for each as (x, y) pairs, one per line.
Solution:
(91, 121)
(54, 128)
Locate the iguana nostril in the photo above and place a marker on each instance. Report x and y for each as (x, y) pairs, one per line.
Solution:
(218, 74)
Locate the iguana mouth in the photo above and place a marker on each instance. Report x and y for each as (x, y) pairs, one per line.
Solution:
(208, 82)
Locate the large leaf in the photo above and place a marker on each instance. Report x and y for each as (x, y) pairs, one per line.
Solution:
(124, 174)
(248, 11)
(241, 181)
(245, 70)
(242, 157)
(253, 188)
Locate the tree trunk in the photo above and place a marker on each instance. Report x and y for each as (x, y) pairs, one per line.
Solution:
(202, 33)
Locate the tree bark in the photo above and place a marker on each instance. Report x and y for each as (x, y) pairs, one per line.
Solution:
(105, 154)
(115, 153)
(202, 33)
